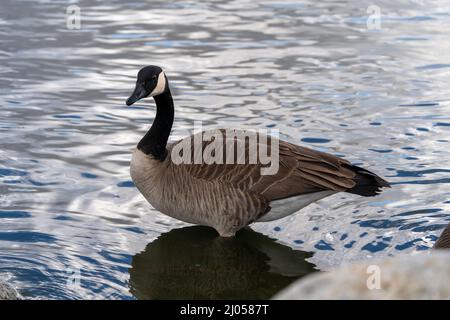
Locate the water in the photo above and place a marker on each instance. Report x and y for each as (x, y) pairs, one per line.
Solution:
(73, 226)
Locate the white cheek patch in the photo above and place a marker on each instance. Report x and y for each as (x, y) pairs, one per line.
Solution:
(160, 86)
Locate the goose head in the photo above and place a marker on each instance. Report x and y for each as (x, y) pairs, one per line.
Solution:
(151, 82)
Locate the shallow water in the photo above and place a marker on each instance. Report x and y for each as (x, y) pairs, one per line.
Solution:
(73, 226)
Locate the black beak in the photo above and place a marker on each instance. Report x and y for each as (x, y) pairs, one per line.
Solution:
(138, 93)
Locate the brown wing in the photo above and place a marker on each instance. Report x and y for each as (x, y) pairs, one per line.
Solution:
(301, 170)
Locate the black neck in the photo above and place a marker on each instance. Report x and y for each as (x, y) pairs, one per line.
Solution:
(155, 140)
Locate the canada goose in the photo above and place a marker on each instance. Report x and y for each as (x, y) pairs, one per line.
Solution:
(443, 242)
(229, 196)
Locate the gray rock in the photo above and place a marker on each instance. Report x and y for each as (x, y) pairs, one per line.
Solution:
(421, 276)
(7, 292)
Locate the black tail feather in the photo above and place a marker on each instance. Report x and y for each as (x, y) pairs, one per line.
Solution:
(368, 184)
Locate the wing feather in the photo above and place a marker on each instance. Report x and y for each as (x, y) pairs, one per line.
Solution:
(301, 170)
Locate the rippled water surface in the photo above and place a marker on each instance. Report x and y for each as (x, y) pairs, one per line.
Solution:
(73, 226)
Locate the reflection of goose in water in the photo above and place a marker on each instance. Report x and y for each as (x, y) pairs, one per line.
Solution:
(194, 263)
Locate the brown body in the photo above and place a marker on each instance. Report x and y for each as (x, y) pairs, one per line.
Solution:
(228, 197)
